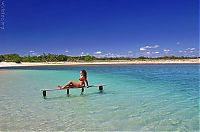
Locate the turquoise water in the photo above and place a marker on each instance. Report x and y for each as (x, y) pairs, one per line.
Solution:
(136, 98)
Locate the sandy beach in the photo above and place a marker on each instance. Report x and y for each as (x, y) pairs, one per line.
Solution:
(185, 61)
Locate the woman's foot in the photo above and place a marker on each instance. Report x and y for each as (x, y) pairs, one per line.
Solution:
(60, 87)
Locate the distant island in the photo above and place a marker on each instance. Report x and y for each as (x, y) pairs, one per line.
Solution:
(13, 60)
(64, 58)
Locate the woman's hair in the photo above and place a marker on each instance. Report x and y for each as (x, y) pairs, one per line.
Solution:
(84, 74)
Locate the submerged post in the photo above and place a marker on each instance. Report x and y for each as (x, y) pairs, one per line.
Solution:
(44, 94)
(101, 88)
(67, 91)
(82, 90)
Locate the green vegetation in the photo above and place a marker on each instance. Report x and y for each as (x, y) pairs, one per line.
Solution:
(59, 58)
(10, 58)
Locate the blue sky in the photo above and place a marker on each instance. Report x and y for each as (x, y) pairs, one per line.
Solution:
(101, 27)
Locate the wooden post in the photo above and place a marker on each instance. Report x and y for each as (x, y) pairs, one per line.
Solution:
(82, 90)
(44, 94)
(68, 91)
(100, 88)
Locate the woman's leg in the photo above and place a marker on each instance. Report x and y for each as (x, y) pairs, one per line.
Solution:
(68, 85)
(75, 84)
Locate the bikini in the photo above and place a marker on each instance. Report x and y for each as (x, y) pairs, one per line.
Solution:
(82, 79)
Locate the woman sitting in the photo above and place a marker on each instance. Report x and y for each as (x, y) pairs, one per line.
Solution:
(80, 83)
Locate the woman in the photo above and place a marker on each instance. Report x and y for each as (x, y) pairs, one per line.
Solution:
(80, 83)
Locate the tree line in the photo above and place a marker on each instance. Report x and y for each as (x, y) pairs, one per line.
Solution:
(59, 58)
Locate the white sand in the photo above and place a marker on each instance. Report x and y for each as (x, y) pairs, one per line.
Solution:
(185, 61)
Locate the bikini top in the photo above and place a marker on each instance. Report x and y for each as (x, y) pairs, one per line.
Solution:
(82, 79)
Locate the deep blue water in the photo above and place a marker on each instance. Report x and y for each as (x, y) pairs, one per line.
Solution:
(136, 97)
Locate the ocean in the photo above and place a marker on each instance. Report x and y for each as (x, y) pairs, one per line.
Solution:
(135, 98)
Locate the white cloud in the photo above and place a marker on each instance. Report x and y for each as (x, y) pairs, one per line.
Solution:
(166, 50)
(109, 54)
(187, 51)
(156, 52)
(66, 51)
(190, 49)
(31, 52)
(149, 47)
(148, 52)
(142, 48)
(82, 53)
(155, 46)
(98, 52)
(177, 43)
(130, 52)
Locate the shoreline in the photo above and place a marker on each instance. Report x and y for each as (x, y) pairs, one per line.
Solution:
(112, 62)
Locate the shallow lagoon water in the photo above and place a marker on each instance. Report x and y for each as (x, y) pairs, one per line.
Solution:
(136, 97)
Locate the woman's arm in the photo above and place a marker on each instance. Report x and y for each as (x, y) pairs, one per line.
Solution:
(86, 82)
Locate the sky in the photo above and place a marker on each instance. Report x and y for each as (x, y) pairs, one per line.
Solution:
(103, 28)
